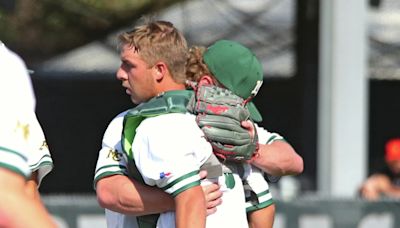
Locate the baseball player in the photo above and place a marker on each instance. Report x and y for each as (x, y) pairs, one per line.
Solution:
(172, 147)
(135, 199)
(17, 208)
(232, 66)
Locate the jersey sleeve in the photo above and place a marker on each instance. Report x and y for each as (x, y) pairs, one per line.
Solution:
(266, 137)
(168, 151)
(111, 160)
(39, 158)
(16, 99)
(14, 143)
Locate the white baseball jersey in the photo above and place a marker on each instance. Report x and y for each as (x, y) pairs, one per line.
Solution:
(164, 142)
(16, 100)
(22, 142)
(254, 177)
(111, 162)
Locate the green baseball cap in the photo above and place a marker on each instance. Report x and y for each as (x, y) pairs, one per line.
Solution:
(238, 69)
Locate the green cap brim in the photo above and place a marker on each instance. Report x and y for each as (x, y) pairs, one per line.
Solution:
(254, 113)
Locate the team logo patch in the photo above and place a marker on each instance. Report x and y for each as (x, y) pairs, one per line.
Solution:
(165, 174)
(114, 155)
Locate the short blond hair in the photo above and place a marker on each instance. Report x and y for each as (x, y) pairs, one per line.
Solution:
(159, 41)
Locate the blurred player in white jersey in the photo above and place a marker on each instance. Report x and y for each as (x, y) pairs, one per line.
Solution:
(18, 127)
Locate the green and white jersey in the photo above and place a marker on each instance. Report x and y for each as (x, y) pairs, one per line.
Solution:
(253, 177)
(111, 160)
(266, 137)
(14, 143)
(166, 137)
(168, 151)
(17, 102)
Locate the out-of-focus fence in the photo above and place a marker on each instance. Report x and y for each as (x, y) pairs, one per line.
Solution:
(79, 211)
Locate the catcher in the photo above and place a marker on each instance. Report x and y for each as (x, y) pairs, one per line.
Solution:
(220, 113)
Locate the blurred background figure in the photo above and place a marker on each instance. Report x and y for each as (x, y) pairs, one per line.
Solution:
(20, 204)
(385, 182)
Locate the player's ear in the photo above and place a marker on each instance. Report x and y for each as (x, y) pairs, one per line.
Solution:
(206, 80)
(160, 70)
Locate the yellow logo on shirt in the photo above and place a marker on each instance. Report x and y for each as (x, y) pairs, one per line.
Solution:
(23, 129)
(114, 155)
(44, 146)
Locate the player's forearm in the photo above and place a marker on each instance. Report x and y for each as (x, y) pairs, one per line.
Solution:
(120, 194)
(17, 208)
(190, 208)
(25, 211)
(278, 159)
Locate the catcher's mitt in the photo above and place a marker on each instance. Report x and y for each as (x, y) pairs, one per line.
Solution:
(219, 114)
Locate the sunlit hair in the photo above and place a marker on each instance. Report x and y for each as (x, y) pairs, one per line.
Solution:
(157, 41)
(196, 67)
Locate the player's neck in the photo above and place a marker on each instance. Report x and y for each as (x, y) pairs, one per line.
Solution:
(171, 85)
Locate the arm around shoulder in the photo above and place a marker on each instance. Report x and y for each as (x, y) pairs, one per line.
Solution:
(123, 195)
(279, 159)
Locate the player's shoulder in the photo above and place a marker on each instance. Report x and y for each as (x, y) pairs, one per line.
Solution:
(118, 119)
(121, 115)
(116, 122)
(266, 136)
(170, 119)
(172, 122)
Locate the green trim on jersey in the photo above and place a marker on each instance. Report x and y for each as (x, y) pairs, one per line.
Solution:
(13, 169)
(41, 165)
(179, 180)
(260, 205)
(274, 138)
(40, 162)
(13, 152)
(109, 166)
(191, 185)
(108, 173)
